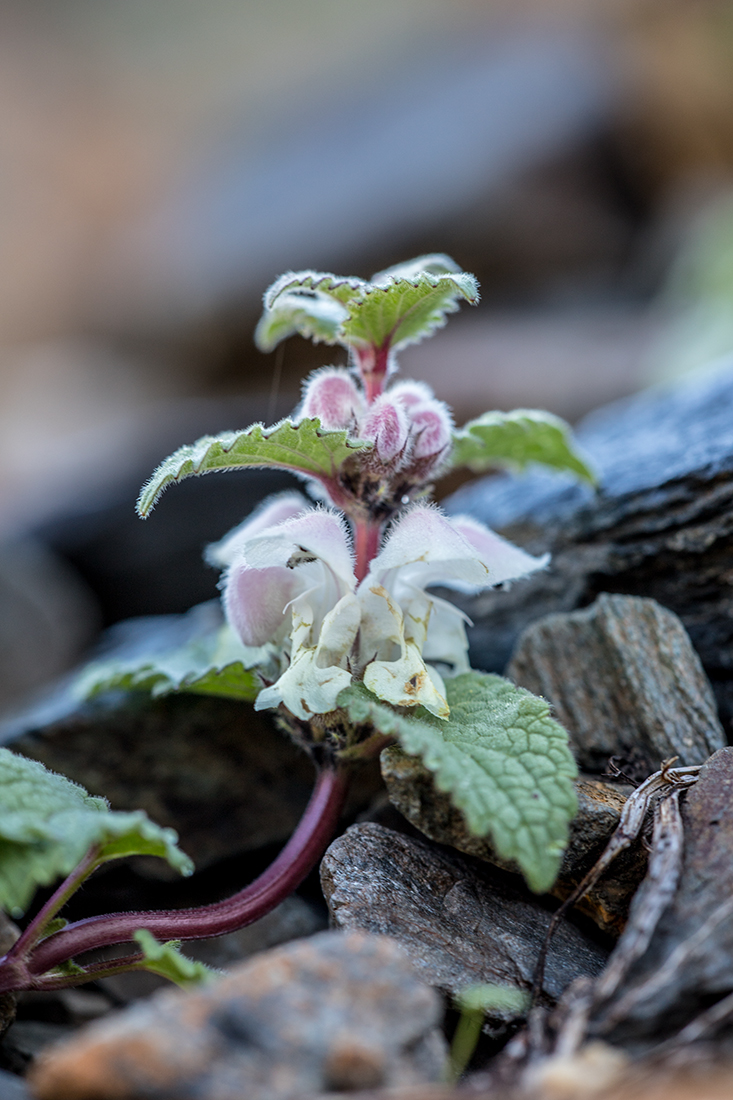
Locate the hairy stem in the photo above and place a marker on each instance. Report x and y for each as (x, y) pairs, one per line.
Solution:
(297, 858)
(367, 535)
(34, 931)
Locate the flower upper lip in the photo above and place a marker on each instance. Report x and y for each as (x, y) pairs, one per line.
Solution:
(294, 582)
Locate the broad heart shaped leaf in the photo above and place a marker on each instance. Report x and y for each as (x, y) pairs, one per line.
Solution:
(515, 439)
(48, 823)
(403, 310)
(214, 663)
(502, 759)
(165, 959)
(305, 447)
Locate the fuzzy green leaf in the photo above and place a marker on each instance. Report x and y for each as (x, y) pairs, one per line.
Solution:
(310, 303)
(502, 759)
(165, 959)
(48, 823)
(304, 447)
(404, 310)
(211, 664)
(515, 439)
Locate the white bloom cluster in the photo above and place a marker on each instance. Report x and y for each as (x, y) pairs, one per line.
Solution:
(290, 579)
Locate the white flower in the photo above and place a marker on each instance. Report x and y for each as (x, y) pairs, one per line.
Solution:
(293, 583)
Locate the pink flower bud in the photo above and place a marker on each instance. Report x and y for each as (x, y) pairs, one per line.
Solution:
(386, 425)
(430, 424)
(332, 395)
(409, 394)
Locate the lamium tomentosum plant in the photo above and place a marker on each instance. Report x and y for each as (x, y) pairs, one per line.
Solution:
(330, 622)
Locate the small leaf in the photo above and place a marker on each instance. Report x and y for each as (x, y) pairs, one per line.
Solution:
(214, 663)
(516, 439)
(402, 311)
(485, 997)
(502, 759)
(48, 823)
(305, 447)
(165, 959)
(310, 303)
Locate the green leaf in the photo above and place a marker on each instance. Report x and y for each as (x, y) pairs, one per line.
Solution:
(398, 307)
(165, 959)
(402, 311)
(48, 823)
(216, 663)
(502, 759)
(310, 303)
(304, 447)
(515, 439)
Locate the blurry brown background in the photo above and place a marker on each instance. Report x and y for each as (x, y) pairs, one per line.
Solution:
(161, 161)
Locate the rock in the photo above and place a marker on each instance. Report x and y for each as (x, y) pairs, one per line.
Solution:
(659, 527)
(458, 922)
(213, 769)
(12, 1087)
(672, 984)
(624, 681)
(413, 793)
(332, 1013)
(293, 919)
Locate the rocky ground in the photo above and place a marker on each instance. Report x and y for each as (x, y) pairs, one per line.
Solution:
(628, 634)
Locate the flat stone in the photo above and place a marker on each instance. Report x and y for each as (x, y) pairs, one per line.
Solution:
(678, 993)
(328, 1014)
(213, 769)
(660, 525)
(458, 922)
(413, 793)
(624, 681)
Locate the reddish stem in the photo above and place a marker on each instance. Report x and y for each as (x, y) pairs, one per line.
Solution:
(298, 857)
(367, 535)
(373, 366)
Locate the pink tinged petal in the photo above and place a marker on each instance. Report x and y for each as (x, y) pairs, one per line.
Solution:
(424, 548)
(313, 535)
(332, 395)
(274, 510)
(504, 561)
(255, 599)
(409, 394)
(431, 429)
(386, 425)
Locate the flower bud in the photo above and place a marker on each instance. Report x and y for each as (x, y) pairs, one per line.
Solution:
(332, 395)
(386, 425)
(430, 424)
(409, 394)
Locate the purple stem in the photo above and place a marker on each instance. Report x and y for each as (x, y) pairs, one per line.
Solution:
(307, 844)
(58, 899)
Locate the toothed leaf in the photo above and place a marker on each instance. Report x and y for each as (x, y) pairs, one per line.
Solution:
(437, 263)
(304, 447)
(310, 303)
(502, 759)
(403, 310)
(516, 439)
(211, 664)
(48, 823)
(166, 959)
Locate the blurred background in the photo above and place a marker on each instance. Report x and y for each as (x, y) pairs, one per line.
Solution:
(162, 161)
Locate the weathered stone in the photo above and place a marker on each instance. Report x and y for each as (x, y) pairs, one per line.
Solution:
(458, 922)
(624, 681)
(413, 793)
(327, 1014)
(671, 984)
(660, 525)
(12, 1087)
(213, 769)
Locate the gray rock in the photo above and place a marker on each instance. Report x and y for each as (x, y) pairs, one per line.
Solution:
(624, 680)
(12, 1087)
(660, 525)
(458, 923)
(413, 793)
(689, 962)
(332, 1013)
